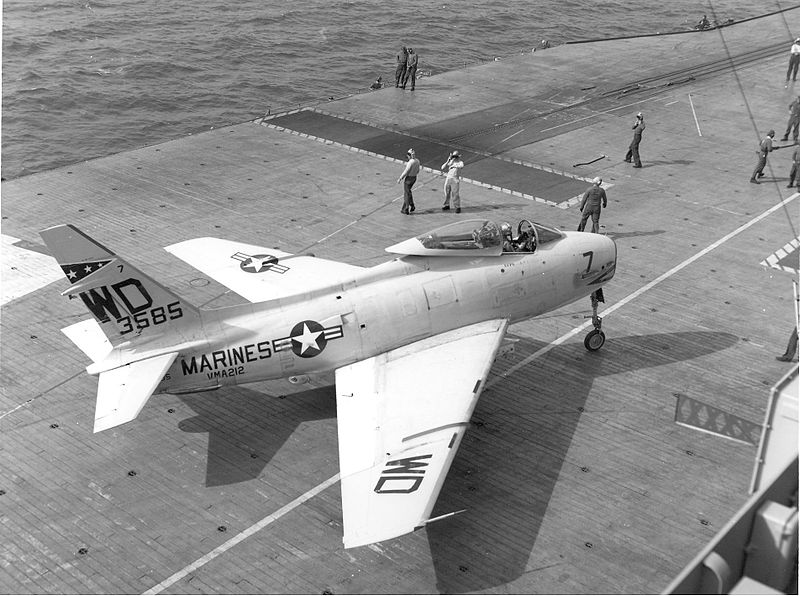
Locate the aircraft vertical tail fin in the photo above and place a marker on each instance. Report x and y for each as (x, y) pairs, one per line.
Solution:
(127, 304)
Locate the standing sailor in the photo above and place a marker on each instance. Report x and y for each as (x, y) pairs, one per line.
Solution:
(399, 72)
(794, 120)
(764, 149)
(794, 61)
(633, 149)
(411, 68)
(409, 176)
(453, 165)
(593, 199)
(794, 173)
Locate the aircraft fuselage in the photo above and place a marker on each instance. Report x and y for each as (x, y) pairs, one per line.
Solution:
(390, 305)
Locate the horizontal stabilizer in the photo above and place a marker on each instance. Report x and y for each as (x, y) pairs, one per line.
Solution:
(122, 392)
(89, 337)
(259, 274)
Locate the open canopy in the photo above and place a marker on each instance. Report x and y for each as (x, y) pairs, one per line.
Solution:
(470, 237)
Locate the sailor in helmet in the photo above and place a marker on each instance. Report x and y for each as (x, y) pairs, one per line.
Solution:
(506, 233)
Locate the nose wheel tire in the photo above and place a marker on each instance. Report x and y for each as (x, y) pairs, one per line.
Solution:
(594, 340)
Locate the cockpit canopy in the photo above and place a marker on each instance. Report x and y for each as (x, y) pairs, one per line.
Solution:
(475, 237)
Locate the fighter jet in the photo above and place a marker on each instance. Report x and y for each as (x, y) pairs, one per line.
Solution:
(411, 341)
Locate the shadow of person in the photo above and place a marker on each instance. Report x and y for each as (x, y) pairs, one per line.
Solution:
(623, 235)
(669, 162)
(510, 461)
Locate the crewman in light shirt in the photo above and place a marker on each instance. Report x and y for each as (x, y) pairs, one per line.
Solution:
(409, 177)
(453, 165)
(794, 60)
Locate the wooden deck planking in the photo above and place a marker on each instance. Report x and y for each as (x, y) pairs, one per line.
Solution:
(531, 508)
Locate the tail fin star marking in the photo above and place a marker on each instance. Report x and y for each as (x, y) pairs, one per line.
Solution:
(77, 271)
(125, 302)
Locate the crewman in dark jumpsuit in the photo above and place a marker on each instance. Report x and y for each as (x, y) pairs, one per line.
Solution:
(590, 205)
(794, 173)
(411, 69)
(633, 149)
(400, 71)
(764, 149)
(794, 120)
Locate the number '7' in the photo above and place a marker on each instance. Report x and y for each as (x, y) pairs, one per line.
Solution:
(589, 254)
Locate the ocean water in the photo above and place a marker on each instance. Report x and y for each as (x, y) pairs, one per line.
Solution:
(89, 78)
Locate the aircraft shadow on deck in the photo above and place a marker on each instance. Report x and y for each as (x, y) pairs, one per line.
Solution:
(246, 428)
(490, 544)
(507, 467)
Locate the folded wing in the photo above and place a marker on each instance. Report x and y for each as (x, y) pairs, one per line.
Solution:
(259, 274)
(401, 418)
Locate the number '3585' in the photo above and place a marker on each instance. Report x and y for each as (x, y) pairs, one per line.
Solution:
(150, 318)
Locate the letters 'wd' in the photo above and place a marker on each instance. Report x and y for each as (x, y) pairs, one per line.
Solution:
(124, 301)
(405, 477)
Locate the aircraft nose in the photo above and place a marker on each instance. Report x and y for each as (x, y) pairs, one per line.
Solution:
(603, 253)
(608, 249)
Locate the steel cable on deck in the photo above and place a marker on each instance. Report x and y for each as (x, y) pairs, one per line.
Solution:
(747, 105)
(677, 77)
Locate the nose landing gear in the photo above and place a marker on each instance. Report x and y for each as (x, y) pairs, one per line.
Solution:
(595, 339)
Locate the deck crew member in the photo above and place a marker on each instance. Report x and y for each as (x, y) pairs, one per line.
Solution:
(453, 165)
(400, 69)
(409, 177)
(794, 173)
(593, 198)
(764, 148)
(794, 120)
(794, 60)
(411, 69)
(633, 149)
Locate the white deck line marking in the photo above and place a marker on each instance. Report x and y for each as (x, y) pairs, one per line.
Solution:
(242, 536)
(512, 135)
(773, 259)
(643, 289)
(696, 123)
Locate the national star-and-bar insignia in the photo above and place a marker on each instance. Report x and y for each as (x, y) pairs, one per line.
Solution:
(78, 271)
(259, 263)
(308, 338)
